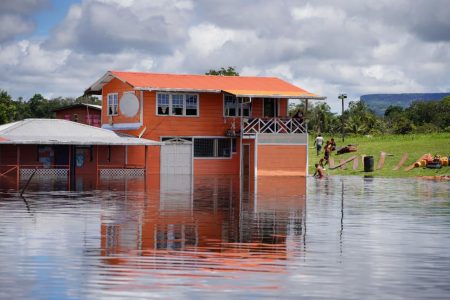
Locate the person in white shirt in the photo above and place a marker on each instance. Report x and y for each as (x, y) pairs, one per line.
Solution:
(318, 143)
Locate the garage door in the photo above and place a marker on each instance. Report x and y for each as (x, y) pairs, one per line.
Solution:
(176, 157)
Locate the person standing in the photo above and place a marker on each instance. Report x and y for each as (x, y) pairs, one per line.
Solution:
(327, 150)
(318, 143)
(333, 144)
(299, 116)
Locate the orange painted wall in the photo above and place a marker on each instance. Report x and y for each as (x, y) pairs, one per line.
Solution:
(116, 86)
(210, 121)
(281, 160)
(283, 107)
(257, 108)
(136, 155)
(217, 166)
(117, 155)
(153, 159)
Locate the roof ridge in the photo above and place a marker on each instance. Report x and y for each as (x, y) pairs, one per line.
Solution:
(13, 125)
(67, 121)
(200, 75)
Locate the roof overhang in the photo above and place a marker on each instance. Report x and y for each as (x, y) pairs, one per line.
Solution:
(96, 88)
(274, 94)
(138, 142)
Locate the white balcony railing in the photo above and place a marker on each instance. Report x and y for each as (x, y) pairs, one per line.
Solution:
(273, 125)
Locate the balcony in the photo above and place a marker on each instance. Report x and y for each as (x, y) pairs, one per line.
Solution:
(253, 126)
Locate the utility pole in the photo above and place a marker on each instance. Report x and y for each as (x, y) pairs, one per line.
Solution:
(342, 97)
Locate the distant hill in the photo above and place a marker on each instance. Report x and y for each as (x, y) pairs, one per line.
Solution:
(379, 102)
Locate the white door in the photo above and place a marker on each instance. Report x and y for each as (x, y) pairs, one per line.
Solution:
(176, 157)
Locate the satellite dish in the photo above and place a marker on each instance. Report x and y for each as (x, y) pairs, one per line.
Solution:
(129, 105)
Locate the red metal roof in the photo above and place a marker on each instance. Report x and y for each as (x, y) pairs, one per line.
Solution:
(239, 85)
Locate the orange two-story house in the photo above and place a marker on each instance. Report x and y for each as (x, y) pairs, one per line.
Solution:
(209, 124)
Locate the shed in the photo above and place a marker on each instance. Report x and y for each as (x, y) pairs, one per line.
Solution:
(85, 113)
(61, 147)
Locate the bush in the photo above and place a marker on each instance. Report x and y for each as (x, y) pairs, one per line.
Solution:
(403, 126)
(427, 128)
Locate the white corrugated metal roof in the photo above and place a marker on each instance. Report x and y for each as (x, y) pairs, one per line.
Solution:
(63, 132)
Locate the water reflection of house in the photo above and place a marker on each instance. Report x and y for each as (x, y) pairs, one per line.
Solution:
(209, 124)
(85, 113)
(216, 220)
(64, 148)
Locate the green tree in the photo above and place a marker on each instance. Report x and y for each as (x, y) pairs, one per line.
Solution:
(321, 119)
(393, 110)
(355, 125)
(8, 109)
(38, 106)
(230, 71)
(359, 119)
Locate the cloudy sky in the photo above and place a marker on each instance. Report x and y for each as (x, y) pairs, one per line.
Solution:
(60, 47)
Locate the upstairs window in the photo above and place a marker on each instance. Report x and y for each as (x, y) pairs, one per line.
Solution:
(113, 103)
(163, 104)
(232, 106)
(177, 104)
(191, 105)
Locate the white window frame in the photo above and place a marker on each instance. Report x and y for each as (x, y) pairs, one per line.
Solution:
(116, 95)
(170, 108)
(237, 108)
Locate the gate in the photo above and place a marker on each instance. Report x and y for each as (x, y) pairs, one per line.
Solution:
(176, 157)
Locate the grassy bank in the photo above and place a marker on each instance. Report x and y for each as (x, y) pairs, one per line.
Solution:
(415, 145)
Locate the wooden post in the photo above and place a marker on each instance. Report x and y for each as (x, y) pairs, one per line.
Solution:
(305, 112)
(18, 167)
(69, 171)
(124, 156)
(145, 162)
(96, 166)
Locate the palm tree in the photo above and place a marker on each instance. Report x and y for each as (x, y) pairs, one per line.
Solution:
(355, 125)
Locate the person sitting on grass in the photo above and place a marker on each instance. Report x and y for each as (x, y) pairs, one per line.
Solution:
(319, 173)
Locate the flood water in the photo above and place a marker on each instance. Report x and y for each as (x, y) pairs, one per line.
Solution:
(183, 238)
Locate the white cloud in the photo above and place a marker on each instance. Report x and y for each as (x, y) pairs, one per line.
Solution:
(205, 38)
(308, 12)
(13, 25)
(327, 47)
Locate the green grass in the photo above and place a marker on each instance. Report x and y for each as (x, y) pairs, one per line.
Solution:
(414, 144)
